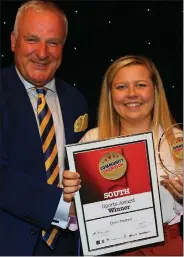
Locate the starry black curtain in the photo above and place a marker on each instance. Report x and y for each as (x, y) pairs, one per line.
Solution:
(102, 31)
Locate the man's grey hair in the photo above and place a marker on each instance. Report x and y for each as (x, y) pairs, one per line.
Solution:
(39, 6)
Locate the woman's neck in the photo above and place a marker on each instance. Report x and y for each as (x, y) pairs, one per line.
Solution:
(129, 128)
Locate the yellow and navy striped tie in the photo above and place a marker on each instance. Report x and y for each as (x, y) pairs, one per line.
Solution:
(50, 152)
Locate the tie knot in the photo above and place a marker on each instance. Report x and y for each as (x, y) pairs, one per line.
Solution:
(42, 91)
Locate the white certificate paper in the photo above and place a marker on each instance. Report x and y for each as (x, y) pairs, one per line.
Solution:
(118, 206)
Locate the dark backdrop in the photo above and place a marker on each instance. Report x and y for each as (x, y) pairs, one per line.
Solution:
(101, 31)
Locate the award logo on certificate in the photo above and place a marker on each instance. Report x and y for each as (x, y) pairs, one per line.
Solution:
(112, 166)
(118, 205)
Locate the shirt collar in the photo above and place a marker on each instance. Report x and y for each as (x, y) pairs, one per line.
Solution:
(51, 85)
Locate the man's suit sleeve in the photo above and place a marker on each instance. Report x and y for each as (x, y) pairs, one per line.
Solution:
(32, 201)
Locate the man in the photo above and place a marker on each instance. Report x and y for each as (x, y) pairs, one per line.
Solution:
(40, 114)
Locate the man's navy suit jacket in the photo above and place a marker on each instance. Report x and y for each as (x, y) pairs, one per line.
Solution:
(27, 203)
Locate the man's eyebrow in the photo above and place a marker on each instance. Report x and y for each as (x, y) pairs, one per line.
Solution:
(54, 39)
(30, 35)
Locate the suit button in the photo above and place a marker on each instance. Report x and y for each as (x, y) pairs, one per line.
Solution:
(33, 231)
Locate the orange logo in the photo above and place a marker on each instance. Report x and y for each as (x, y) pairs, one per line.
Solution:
(112, 166)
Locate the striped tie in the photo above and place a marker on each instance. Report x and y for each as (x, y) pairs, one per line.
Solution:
(49, 147)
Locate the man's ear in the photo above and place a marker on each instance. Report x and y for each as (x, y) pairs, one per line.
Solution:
(13, 41)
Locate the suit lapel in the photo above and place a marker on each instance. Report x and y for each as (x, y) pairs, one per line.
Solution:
(19, 102)
(23, 127)
(66, 112)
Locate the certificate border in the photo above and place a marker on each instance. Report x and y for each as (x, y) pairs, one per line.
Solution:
(147, 138)
(118, 214)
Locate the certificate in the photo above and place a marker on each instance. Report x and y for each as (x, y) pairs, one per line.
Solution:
(118, 206)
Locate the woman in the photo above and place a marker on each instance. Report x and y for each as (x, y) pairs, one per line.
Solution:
(133, 101)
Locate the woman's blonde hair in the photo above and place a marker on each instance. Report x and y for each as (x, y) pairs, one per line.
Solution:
(109, 120)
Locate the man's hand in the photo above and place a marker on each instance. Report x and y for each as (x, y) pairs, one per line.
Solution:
(174, 186)
(71, 184)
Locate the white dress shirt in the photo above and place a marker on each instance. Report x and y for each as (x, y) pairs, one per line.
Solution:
(62, 212)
